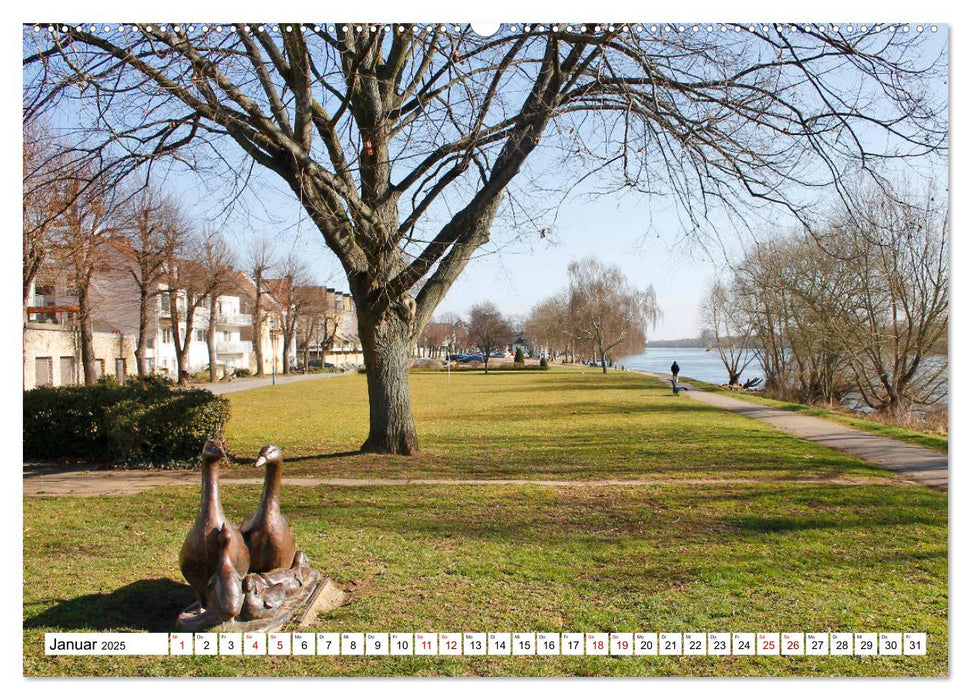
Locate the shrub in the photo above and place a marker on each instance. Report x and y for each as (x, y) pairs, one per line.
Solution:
(172, 429)
(241, 372)
(520, 359)
(544, 363)
(128, 425)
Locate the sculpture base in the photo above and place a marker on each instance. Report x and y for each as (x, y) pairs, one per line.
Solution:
(318, 595)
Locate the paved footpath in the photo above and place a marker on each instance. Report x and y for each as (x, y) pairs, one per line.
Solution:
(257, 382)
(52, 483)
(919, 464)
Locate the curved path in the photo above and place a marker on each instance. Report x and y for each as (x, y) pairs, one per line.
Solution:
(257, 382)
(84, 484)
(926, 467)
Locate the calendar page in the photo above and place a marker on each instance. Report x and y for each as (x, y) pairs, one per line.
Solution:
(532, 348)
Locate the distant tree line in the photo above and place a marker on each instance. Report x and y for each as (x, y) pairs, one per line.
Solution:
(599, 316)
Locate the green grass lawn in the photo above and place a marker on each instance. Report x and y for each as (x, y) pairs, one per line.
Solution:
(544, 425)
(933, 441)
(776, 556)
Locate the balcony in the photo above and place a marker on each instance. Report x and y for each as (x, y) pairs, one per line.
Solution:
(234, 320)
(240, 347)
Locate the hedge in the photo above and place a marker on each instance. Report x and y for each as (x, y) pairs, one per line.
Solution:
(126, 425)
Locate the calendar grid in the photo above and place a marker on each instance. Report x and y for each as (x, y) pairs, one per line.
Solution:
(613, 644)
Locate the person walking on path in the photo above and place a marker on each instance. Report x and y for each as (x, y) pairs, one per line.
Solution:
(674, 376)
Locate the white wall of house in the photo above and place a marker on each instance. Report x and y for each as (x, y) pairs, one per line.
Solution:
(232, 352)
(52, 356)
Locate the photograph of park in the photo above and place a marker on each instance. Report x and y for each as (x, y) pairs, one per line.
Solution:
(385, 332)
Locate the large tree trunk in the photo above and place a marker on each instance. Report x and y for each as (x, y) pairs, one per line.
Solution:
(386, 342)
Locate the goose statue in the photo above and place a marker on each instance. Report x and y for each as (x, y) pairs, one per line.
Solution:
(201, 551)
(266, 532)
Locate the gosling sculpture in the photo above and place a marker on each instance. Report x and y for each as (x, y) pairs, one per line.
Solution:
(266, 532)
(201, 551)
(224, 593)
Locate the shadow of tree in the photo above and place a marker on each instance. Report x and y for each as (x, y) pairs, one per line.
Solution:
(149, 605)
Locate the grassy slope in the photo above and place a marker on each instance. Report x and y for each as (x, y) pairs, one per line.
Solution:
(933, 441)
(666, 557)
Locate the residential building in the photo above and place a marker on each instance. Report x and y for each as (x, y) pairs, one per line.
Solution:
(51, 344)
(52, 352)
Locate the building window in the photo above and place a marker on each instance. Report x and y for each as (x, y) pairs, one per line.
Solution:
(68, 375)
(166, 304)
(121, 369)
(100, 364)
(167, 336)
(201, 336)
(43, 371)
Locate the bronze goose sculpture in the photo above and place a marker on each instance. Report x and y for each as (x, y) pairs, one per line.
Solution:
(266, 531)
(225, 591)
(201, 550)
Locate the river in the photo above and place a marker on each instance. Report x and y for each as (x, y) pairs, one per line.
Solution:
(694, 362)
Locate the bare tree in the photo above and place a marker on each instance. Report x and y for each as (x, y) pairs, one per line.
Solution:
(488, 329)
(401, 142)
(195, 267)
(435, 336)
(894, 318)
(146, 217)
(84, 222)
(217, 264)
(290, 292)
(726, 327)
(260, 261)
(861, 309)
(786, 289)
(549, 324)
(607, 310)
(41, 199)
(457, 330)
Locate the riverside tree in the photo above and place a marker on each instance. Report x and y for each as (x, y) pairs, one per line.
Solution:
(865, 313)
(401, 142)
(726, 327)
